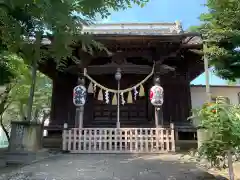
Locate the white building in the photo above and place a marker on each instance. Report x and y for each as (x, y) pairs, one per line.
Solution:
(198, 93)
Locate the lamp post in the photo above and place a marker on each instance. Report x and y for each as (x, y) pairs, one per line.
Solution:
(206, 69)
(118, 76)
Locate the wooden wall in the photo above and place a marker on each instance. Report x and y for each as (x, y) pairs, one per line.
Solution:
(98, 112)
(63, 109)
(177, 99)
(176, 107)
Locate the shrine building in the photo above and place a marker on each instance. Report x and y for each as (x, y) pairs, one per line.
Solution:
(141, 52)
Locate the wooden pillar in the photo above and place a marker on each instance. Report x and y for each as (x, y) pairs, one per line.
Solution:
(62, 107)
(158, 110)
(156, 117)
(150, 114)
(79, 110)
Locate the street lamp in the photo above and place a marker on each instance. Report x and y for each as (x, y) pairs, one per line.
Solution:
(118, 77)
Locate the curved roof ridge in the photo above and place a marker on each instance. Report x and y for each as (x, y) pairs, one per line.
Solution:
(134, 28)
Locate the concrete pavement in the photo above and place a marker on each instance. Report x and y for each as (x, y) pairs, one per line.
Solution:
(109, 167)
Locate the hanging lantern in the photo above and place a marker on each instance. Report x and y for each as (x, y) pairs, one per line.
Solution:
(156, 95)
(79, 95)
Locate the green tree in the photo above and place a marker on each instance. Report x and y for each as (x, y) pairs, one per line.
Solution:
(14, 99)
(221, 121)
(16, 69)
(23, 21)
(26, 23)
(231, 83)
(221, 34)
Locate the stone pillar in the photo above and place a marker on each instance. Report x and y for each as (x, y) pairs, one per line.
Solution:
(25, 142)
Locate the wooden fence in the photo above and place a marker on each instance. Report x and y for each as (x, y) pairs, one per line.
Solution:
(122, 140)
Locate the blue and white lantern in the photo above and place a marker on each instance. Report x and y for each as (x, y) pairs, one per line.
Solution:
(79, 95)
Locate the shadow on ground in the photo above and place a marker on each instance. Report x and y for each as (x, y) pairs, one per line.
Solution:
(110, 167)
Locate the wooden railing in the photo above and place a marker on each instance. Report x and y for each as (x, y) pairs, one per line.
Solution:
(122, 140)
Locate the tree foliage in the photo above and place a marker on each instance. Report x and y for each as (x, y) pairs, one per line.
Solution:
(14, 99)
(221, 120)
(38, 30)
(25, 23)
(19, 95)
(16, 92)
(221, 33)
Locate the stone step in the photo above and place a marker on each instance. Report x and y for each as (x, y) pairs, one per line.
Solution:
(114, 126)
(107, 123)
(2, 161)
(2, 157)
(53, 142)
(114, 123)
(20, 157)
(125, 122)
(121, 119)
(25, 157)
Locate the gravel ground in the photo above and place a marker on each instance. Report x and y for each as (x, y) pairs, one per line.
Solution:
(109, 167)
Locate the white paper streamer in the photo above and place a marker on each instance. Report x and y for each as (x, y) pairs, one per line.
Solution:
(122, 98)
(107, 97)
(94, 88)
(135, 93)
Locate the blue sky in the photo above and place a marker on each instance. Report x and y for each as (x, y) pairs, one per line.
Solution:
(186, 11)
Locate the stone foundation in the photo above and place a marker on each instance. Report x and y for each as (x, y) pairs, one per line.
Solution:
(25, 142)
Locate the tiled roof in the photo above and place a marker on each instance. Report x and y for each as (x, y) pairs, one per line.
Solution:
(139, 29)
(135, 29)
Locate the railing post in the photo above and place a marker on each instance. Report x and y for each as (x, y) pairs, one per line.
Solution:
(172, 136)
(64, 137)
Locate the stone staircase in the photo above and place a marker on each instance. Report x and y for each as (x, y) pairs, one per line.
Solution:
(2, 157)
(53, 142)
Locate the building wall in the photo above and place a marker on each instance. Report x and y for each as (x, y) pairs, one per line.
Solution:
(198, 95)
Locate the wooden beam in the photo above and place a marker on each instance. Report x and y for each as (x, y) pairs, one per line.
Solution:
(112, 67)
(171, 55)
(199, 52)
(191, 46)
(163, 69)
(48, 68)
(145, 53)
(128, 68)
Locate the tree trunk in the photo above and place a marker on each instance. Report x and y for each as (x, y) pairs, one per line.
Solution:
(36, 114)
(22, 113)
(32, 90)
(36, 57)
